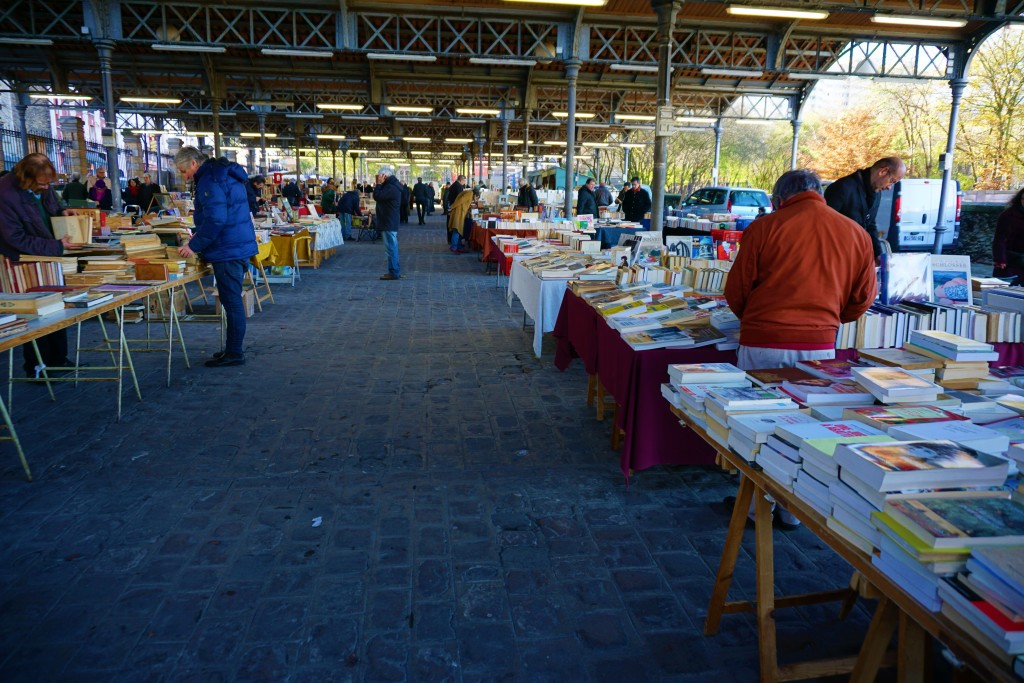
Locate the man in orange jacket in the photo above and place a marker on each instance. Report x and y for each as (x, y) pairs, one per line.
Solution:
(800, 272)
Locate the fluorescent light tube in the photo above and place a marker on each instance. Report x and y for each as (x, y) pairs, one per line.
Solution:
(152, 100)
(775, 12)
(459, 140)
(695, 119)
(497, 61)
(640, 68)
(816, 77)
(635, 117)
(478, 111)
(59, 98)
(297, 115)
(933, 22)
(256, 135)
(185, 47)
(330, 136)
(740, 73)
(579, 115)
(410, 109)
(415, 139)
(346, 107)
(375, 138)
(755, 122)
(400, 57)
(295, 52)
(359, 117)
(575, 3)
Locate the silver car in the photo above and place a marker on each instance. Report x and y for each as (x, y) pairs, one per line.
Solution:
(742, 201)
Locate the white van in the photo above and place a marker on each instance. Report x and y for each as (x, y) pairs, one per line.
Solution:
(908, 210)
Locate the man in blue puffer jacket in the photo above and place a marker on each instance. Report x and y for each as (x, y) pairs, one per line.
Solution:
(224, 237)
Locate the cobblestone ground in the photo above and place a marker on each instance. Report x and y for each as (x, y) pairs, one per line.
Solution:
(392, 489)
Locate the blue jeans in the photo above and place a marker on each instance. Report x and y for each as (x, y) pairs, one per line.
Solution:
(229, 288)
(346, 225)
(391, 249)
(456, 240)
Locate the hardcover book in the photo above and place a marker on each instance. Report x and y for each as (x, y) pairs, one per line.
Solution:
(775, 376)
(884, 417)
(704, 373)
(901, 465)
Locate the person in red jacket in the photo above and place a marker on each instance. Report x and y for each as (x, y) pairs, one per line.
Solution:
(1008, 243)
(800, 271)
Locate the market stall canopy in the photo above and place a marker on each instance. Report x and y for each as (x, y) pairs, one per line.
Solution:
(419, 75)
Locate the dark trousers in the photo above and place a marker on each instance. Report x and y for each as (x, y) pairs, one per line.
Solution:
(420, 211)
(403, 213)
(52, 347)
(229, 288)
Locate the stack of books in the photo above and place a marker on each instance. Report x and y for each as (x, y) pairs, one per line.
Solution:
(31, 304)
(11, 324)
(988, 598)
(142, 246)
(895, 385)
(964, 361)
(722, 403)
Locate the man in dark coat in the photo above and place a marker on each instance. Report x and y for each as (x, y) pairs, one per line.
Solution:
(224, 236)
(26, 206)
(420, 195)
(403, 210)
(348, 206)
(603, 196)
(389, 197)
(292, 193)
(527, 197)
(254, 193)
(431, 195)
(635, 201)
(856, 196)
(147, 188)
(454, 190)
(1008, 243)
(76, 189)
(586, 202)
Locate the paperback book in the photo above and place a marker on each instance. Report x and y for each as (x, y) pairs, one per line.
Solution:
(901, 465)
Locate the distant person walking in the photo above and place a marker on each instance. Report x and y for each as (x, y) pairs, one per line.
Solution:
(224, 237)
(421, 196)
(1008, 244)
(856, 196)
(389, 197)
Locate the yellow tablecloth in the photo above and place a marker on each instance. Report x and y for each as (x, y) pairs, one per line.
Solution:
(267, 253)
(283, 247)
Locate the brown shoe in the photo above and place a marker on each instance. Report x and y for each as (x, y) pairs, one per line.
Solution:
(389, 276)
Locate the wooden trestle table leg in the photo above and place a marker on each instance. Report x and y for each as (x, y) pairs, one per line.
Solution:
(730, 551)
(913, 652)
(876, 642)
(765, 587)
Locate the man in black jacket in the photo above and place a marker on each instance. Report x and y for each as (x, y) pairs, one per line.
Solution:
(635, 201)
(586, 202)
(431, 193)
(856, 195)
(604, 196)
(527, 197)
(388, 195)
(420, 195)
(292, 193)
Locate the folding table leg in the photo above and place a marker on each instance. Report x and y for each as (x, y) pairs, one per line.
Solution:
(14, 437)
(730, 551)
(765, 588)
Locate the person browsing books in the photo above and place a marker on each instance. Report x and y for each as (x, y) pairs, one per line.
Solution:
(856, 196)
(800, 272)
(224, 237)
(26, 206)
(1008, 243)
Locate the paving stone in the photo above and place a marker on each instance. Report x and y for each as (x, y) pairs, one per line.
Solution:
(475, 525)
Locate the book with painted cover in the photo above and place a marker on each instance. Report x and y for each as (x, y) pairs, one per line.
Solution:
(820, 452)
(964, 433)
(829, 368)
(901, 465)
(914, 546)
(705, 336)
(759, 426)
(751, 398)
(705, 373)
(893, 382)
(951, 279)
(884, 417)
(901, 358)
(827, 392)
(773, 377)
(795, 434)
(662, 338)
(694, 394)
(944, 523)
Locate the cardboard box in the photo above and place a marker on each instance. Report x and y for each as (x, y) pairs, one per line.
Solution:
(155, 304)
(248, 300)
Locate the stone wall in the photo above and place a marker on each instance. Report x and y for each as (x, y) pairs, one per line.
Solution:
(977, 228)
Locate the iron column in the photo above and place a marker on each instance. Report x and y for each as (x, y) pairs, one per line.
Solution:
(105, 49)
(957, 86)
(572, 71)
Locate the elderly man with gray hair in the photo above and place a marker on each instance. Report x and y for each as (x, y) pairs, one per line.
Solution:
(388, 195)
(800, 271)
(224, 237)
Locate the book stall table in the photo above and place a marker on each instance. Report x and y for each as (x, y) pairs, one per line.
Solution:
(541, 299)
(482, 239)
(896, 610)
(326, 239)
(609, 236)
(651, 434)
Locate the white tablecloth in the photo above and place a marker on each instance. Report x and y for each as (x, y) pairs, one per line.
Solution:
(327, 235)
(541, 300)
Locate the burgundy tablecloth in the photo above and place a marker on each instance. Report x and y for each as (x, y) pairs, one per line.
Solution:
(633, 378)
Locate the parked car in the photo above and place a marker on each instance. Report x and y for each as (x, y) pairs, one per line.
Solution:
(907, 212)
(742, 201)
